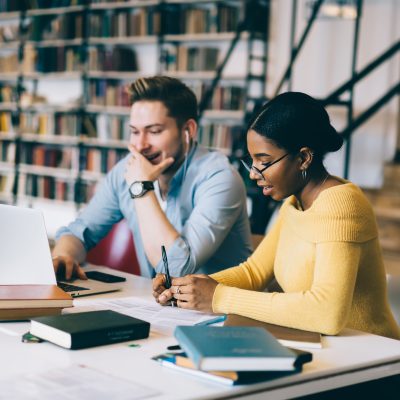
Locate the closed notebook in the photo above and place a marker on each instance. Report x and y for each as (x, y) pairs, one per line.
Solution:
(21, 314)
(31, 296)
(287, 336)
(88, 329)
(234, 348)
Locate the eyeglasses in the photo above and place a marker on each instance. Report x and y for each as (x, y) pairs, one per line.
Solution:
(248, 164)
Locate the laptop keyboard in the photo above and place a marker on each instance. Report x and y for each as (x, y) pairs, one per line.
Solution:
(70, 288)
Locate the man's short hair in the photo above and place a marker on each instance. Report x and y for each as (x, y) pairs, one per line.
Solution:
(180, 101)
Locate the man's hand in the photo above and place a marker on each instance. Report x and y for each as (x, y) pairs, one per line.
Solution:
(139, 168)
(67, 268)
(194, 292)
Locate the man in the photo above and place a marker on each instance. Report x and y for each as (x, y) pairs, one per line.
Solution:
(172, 192)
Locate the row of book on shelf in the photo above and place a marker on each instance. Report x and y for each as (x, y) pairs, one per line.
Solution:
(128, 22)
(107, 92)
(102, 127)
(68, 58)
(61, 189)
(99, 160)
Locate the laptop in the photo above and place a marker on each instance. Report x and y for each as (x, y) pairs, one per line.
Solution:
(25, 254)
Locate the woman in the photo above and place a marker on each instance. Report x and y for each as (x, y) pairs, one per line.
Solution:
(323, 249)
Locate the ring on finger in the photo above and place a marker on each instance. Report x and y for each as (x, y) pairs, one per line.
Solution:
(178, 290)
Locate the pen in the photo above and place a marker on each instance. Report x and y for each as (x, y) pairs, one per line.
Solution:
(219, 318)
(167, 275)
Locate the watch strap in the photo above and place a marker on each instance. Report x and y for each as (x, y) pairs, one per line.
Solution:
(148, 185)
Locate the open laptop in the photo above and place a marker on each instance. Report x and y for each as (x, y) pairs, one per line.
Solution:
(25, 254)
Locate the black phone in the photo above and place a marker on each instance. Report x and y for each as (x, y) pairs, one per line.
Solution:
(103, 277)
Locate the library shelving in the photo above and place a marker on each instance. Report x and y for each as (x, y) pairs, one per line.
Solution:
(65, 65)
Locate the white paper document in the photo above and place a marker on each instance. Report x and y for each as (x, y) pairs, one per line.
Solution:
(163, 319)
(74, 382)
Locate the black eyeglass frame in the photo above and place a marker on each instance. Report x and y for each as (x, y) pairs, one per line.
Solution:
(266, 165)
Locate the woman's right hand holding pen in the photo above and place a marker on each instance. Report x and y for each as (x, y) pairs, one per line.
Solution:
(194, 292)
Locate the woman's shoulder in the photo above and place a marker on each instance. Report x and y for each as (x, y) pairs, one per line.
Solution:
(345, 198)
(341, 212)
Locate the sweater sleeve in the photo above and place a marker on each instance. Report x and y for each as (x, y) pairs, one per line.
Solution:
(323, 308)
(258, 270)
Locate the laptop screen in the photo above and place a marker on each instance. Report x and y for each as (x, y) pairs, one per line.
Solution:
(24, 248)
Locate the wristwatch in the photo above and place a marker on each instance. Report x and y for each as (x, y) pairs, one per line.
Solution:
(140, 188)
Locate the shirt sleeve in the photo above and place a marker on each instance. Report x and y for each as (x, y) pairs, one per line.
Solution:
(218, 200)
(258, 270)
(324, 308)
(98, 217)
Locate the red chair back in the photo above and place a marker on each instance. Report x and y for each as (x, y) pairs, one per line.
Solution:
(116, 250)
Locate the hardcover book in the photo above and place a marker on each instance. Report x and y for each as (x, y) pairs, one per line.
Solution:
(89, 329)
(230, 348)
(287, 336)
(31, 296)
(23, 314)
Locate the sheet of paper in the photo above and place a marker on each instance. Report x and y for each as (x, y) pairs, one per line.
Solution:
(74, 382)
(163, 319)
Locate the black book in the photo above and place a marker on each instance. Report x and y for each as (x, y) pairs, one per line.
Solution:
(89, 329)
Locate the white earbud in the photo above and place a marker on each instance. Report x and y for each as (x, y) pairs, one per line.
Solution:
(187, 136)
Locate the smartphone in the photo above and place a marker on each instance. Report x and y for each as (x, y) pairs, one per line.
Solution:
(103, 277)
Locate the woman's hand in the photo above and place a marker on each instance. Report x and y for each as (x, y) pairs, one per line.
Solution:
(158, 286)
(193, 292)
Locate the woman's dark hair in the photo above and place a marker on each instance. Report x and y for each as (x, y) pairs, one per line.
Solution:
(294, 120)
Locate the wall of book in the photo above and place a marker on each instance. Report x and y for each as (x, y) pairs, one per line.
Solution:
(65, 66)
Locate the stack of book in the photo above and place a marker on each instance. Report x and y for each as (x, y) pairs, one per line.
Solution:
(22, 302)
(233, 355)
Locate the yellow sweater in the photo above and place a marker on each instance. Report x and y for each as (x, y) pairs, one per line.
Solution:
(328, 262)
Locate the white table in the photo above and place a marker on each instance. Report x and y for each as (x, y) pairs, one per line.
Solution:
(351, 358)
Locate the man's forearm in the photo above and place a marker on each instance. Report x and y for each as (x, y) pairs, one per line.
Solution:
(154, 226)
(71, 246)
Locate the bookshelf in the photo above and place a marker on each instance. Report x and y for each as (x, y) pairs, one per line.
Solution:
(58, 150)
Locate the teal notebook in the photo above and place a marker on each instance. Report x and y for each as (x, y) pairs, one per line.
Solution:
(232, 348)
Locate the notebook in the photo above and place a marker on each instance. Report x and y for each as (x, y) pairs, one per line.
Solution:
(26, 258)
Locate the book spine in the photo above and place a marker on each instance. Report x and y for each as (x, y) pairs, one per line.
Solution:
(186, 345)
(116, 335)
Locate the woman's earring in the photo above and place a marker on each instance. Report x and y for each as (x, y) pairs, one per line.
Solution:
(304, 174)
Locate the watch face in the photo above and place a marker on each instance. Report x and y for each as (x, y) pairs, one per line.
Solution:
(136, 188)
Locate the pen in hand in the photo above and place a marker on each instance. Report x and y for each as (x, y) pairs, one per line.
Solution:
(167, 275)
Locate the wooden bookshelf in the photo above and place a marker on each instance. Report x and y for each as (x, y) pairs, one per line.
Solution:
(102, 46)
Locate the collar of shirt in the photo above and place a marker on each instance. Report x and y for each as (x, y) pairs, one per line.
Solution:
(179, 176)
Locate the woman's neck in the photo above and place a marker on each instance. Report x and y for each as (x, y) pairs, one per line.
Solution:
(313, 187)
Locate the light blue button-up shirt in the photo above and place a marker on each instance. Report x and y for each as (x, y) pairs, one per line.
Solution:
(206, 203)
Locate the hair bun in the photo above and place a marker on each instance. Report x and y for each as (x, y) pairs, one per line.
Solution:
(333, 140)
(294, 120)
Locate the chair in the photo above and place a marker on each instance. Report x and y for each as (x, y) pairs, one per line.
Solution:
(256, 239)
(393, 282)
(116, 250)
